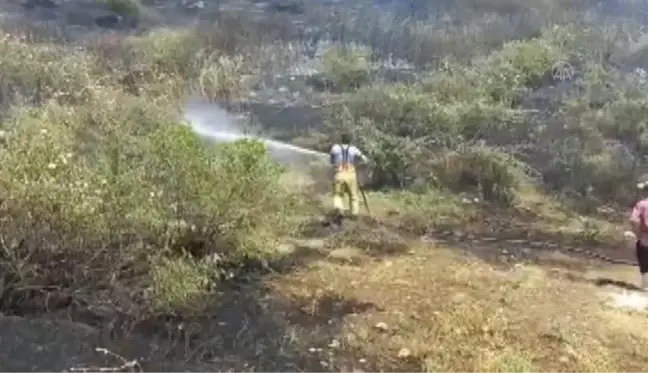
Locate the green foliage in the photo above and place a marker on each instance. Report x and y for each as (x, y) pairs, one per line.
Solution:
(347, 68)
(180, 284)
(519, 65)
(262, 207)
(627, 121)
(401, 127)
(168, 50)
(151, 180)
(426, 132)
(455, 84)
(488, 171)
(105, 185)
(42, 72)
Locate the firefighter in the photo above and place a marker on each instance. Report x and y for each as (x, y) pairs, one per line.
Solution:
(344, 160)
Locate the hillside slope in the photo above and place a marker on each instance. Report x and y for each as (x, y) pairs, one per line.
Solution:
(498, 193)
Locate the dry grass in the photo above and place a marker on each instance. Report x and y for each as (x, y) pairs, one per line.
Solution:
(532, 215)
(432, 310)
(554, 217)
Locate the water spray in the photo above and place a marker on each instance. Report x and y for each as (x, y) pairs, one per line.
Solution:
(214, 123)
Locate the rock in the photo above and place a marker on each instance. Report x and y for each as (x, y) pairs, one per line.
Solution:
(334, 344)
(404, 353)
(381, 326)
(285, 248)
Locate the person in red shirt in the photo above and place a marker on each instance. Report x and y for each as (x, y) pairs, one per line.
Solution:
(639, 221)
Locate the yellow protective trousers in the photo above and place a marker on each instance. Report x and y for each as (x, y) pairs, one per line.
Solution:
(345, 183)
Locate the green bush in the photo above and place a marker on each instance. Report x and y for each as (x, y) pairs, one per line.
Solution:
(180, 284)
(402, 127)
(477, 168)
(595, 154)
(102, 184)
(120, 179)
(347, 68)
(37, 73)
(425, 132)
(168, 51)
(519, 65)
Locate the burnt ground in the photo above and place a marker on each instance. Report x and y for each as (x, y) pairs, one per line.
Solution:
(252, 325)
(248, 327)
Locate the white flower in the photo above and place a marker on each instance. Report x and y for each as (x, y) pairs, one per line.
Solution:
(51, 166)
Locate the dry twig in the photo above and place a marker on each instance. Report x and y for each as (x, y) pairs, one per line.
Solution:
(127, 366)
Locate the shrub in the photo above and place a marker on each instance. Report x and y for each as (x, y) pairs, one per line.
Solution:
(169, 51)
(180, 57)
(426, 132)
(518, 65)
(180, 284)
(401, 127)
(222, 78)
(489, 172)
(36, 73)
(347, 68)
(118, 185)
(103, 185)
